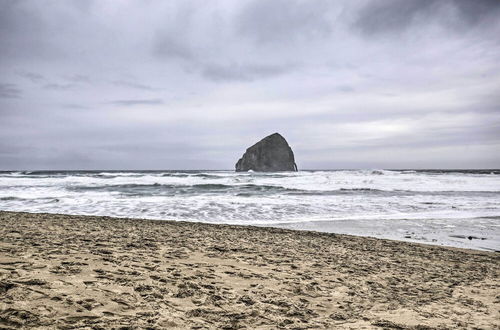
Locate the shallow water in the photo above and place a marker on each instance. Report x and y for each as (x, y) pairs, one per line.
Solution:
(436, 206)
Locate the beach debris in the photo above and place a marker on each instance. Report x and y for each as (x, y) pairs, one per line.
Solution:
(470, 237)
(271, 154)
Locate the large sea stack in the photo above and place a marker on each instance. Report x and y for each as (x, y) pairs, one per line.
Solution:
(271, 154)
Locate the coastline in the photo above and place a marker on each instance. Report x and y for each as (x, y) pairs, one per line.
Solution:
(465, 233)
(90, 271)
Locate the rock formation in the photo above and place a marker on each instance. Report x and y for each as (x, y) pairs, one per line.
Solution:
(271, 154)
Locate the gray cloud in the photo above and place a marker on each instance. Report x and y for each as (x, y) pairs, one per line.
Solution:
(345, 89)
(297, 20)
(33, 77)
(59, 87)
(78, 78)
(236, 72)
(171, 46)
(22, 32)
(135, 85)
(476, 12)
(396, 16)
(215, 54)
(392, 16)
(9, 91)
(74, 106)
(130, 103)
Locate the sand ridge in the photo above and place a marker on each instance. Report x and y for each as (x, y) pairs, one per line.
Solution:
(64, 271)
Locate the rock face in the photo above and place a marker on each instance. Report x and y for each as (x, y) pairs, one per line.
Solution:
(271, 154)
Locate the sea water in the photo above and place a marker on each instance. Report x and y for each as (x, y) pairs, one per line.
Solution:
(444, 207)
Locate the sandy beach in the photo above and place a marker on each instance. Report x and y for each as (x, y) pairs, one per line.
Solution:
(62, 271)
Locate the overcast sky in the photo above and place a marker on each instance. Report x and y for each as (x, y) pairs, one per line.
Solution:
(192, 84)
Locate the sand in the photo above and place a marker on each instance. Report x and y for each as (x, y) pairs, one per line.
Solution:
(62, 271)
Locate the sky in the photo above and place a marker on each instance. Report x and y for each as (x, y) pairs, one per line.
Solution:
(191, 84)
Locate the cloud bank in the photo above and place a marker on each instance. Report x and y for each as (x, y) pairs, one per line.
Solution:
(191, 84)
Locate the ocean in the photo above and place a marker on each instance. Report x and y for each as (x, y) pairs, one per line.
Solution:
(445, 207)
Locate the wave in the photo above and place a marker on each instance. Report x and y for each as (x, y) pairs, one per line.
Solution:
(249, 189)
(375, 174)
(11, 198)
(201, 188)
(46, 199)
(197, 175)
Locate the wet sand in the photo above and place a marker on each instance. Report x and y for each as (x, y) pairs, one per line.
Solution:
(61, 271)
